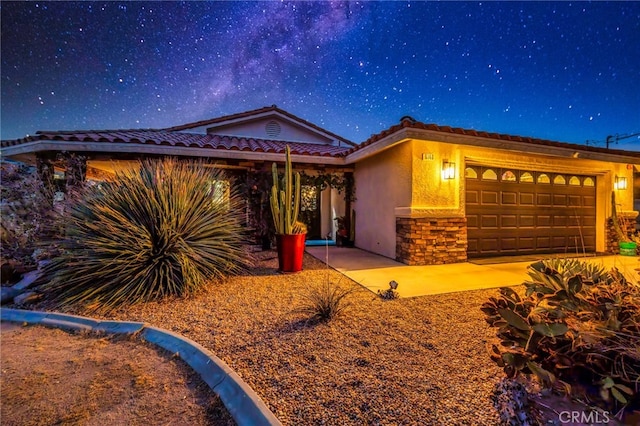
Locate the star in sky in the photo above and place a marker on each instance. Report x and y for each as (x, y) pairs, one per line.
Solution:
(555, 70)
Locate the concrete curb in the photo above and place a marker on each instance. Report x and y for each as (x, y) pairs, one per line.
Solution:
(244, 405)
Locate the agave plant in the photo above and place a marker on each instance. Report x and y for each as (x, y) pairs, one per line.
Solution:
(160, 229)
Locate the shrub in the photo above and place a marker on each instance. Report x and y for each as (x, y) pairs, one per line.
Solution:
(323, 302)
(27, 217)
(577, 328)
(162, 229)
(390, 293)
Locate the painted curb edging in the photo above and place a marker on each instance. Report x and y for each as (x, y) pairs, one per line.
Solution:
(244, 405)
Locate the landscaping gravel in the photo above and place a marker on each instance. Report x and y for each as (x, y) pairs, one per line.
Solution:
(404, 361)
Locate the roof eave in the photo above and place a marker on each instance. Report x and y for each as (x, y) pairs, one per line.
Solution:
(256, 114)
(180, 151)
(296, 121)
(381, 145)
(407, 133)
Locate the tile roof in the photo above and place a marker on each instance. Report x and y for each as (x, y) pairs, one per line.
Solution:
(408, 122)
(179, 139)
(220, 142)
(272, 108)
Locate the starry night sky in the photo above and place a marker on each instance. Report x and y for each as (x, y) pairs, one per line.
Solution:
(554, 70)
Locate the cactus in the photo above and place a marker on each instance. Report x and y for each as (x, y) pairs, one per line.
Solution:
(285, 199)
(299, 228)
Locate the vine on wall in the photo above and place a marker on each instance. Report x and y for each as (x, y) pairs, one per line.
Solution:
(257, 185)
(329, 180)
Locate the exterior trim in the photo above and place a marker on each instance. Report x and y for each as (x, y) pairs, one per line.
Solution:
(491, 162)
(134, 148)
(405, 134)
(427, 212)
(260, 113)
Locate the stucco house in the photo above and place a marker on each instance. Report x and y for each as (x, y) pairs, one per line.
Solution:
(422, 193)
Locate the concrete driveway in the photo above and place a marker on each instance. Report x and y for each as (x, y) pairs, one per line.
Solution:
(374, 272)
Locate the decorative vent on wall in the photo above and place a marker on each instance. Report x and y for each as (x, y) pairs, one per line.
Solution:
(273, 129)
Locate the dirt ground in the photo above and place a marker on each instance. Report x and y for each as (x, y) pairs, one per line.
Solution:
(50, 376)
(410, 361)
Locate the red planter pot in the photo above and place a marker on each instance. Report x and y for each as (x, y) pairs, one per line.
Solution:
(290, 252)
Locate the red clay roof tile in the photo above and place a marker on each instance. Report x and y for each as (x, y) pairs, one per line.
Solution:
(244, 114)
(220, 142)
(410, 123)
(159, 137)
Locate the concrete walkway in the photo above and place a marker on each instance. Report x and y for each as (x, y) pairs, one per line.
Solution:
(374, 272)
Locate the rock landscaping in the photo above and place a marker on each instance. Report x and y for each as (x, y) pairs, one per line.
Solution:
(402, 361)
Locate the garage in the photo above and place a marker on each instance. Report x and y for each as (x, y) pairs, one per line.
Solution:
(513, 212)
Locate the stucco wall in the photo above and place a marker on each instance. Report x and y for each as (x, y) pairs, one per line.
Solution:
(431, 195)
(257, 129)
(383, 182)
(405, 182)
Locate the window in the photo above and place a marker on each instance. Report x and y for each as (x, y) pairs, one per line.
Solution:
(489, 174)
(526, 177)
(574, 181)
(470, 173)
(220, 191)
(589, 182)
(543, 178)
(508, 176)
(559, 180)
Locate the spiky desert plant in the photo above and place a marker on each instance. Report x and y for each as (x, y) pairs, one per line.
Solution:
(285, 198)
(323, 302)
(160, 229)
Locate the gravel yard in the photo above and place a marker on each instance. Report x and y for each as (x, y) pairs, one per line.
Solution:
(406, 361)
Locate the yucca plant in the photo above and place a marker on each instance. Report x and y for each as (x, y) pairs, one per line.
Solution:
(160, 229)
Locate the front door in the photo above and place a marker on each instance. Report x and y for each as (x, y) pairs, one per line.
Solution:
(310, 210)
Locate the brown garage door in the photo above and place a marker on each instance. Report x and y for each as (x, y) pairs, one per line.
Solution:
(523, 212)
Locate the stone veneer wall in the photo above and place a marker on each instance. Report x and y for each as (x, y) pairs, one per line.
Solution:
(431, 241)
(611, 243)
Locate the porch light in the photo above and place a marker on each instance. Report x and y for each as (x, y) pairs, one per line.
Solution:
(448, 170)
(620, 183)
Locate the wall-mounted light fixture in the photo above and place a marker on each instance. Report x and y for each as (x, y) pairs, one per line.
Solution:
(448, 170)
(620, 183)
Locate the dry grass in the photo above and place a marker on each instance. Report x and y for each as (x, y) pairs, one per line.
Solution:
(406, 361)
